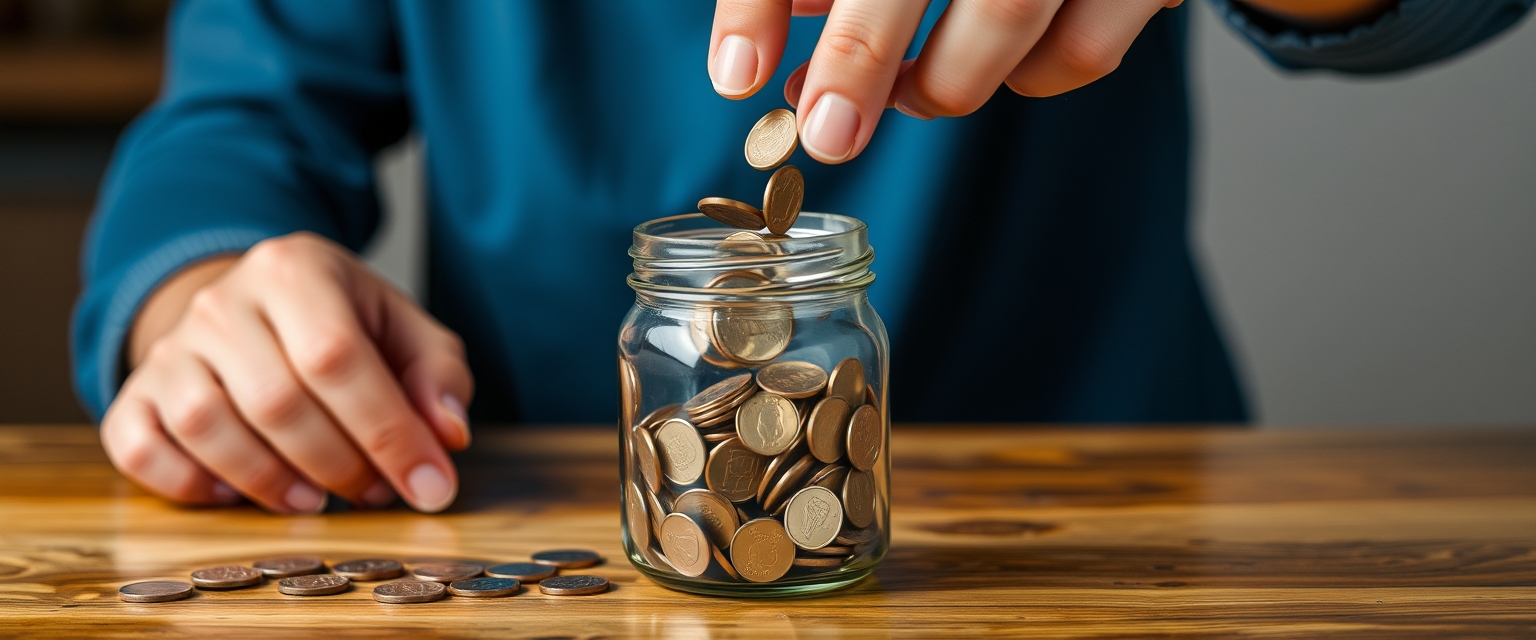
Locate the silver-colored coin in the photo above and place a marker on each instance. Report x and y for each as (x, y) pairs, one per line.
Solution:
(289, 567)
(813, 517)
(409, 592)
(792, 379)
(226, 577)
(866, 437)
(574, 586)
(155, 591)
(713, 513)
(313, 585)
(847, 382)
(768, 424)
(522, 571)
(368, 570)
(825, 433)
(783, 198)
(446, 572)
(567, 558)
(859, 498)
(484, 587)
(772, 140)
(682, 451)
(732, 213)
(685, 544)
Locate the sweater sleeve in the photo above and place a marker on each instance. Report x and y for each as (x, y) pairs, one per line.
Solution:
(267, 124)
(1416, 32)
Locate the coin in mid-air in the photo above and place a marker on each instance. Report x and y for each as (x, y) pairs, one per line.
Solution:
(682, 452)
(865, 435)
(792, 379)
(289, 566)
(226, 577)
(732, 470)
(813, 517)
(574, 585)
(446, 572)
(522, 571)
(484, 587)
(782, 199)
(313, 585)
(369, 569)
(733, 213)
(155, 591)
(772, 140)
(685, 545)
(567, 558)
(409, 592)
(847, 382)
(824, 432)
(768, 424)
(761, 551)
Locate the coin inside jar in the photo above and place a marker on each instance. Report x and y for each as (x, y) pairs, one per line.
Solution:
(646, 457)
(733, 470)
(655, 418)
(792, 379)
(787, 482)
(718, 394)
(629, 392)
(484, 587)
(446, 571)
(638, 521)
(824, 432)
(761, 551)
(369, 569)
(313, 585)
(751, 334)
(409, 592)
(859, 498)
(733, 213)
(813, 517)
(685, 544)
(865, 435)
(713, 513)
(782, 199)
(567, 558)
(226, 577)
(682, 452)
(574, 586)
(847, 382)
(738, 279)
(772, 140)
(522, 571)
(289, 567)
(155, 591)
(768, 424)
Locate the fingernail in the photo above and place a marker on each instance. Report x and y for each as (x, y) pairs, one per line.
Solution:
(379, 495)
(305, 498)
(909, 111)
(734, 69)
(457, 415)
(830, 128)
(223, 492)
(430, 488)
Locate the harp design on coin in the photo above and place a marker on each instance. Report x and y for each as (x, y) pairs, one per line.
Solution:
(686, 545)
(816, 512)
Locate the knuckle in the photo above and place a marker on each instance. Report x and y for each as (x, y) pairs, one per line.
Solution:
(266, 476)
(189, 487)
(332, 355)
(194, 416)
(948, 100)
(1013, 13)
(1086, 56)
(390, 440)
(211, 304)
(277, 404)
(858, 44)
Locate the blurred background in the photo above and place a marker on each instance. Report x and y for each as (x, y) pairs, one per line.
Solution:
(1370, 245)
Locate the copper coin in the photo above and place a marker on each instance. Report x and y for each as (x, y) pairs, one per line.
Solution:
(717, 393)
(682, 451)
(313, 585)
(792, 379)
(772, 140)
(850, 537)
(685, 544)
(226, 577)
(738, 279)
(155, 591)
(859, 498)
(787, 482)
(446, 572)
(655, 418)
(629, 392)
(768, 424)
(713, 513)
(725, 563)
(522, 571)
(825, 433)
(717, 437)
(812, 517)
(574, 586)
(567, 558)
(847, 382)
(733, 213)
(484, 587)
(733, 470)
(782, 199)
(866, 435)
(409, 592)
(290, 566)
(369, 569)
(636, 520)
(761, 551)
(646, 457)
(829, 477)
(659, 504)
(817, 562)
(775, 468)
(831, 551)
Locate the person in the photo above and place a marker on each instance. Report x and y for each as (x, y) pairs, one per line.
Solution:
(1034, 260)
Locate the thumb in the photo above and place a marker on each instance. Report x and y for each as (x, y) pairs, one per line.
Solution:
(429, 360)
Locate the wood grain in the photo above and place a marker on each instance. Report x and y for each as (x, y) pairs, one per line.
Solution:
(998, 532)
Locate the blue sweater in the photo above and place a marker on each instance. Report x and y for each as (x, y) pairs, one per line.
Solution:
(1033, 257)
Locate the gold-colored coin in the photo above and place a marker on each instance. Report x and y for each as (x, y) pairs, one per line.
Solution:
(830, 476)
(859, 498)
(847, 382)
(733, 213)
(751, 334)
(761, 551)
(733, 470)
(629, 392)
(787, 482)
(717, 437)
(713, 513)
(792, 379)
(738, 279)
(812, 517)
(824, 433)
(772, 140)
(746, 243)
(636, 516)
(865, 438)
(768, 424)
(682, 452)
(685, 545)
(717, 394)
(646, 457)
(783, 198)
(659, 504)
(655, 418)
(778, 464)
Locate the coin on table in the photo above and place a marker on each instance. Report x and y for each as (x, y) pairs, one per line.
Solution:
(787, 482)
(369, 569)
(574, 586)
(825, 431)
(768, 424)
(865, 435)
(813, 517)
(731, 212)
(646, 457)
(226, 577)
(522, 571)
(782, 199)
(409, 592)
(682, 452)
(761, 551)
(484, 587)
(713, 513)
(685, 545)
(738, 279)
(635, 516)
(313, 585)
(859, 498)
(289, 567)
(720, 392)
(847, 382)
(752, 335)
(772, 140)
(567, 558)
(732, 470)
(155, 591)
(446, 572)
(629, 392)
(792, 379)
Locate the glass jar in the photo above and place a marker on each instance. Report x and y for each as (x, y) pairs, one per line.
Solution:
(753, 423)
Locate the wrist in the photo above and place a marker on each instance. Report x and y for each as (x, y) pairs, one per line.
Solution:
(166, 304)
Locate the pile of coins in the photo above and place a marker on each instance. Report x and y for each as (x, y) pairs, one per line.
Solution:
(309, 576)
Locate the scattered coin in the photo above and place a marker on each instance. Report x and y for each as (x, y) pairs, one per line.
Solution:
(573, 586)
(768, 424)
(567, 558)
(813, 517)
(368, 570)
(155, 591)
(226, 577)
(409, 592)
(825, 431)
(446, 572)
(289, 567)
(772, 140)
(782, 199)
(682, 452)
(484, 587)
(522, 571)
(712, 512)
(685, 545)
(761, 551)
(313, 585)
(792, 379)
(865, 435)
(731, 212)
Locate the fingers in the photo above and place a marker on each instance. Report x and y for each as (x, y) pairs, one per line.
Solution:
(971, 50)
(135, 443)
(1084, 43)
(746, 44)
(852, 72)
(429, 360)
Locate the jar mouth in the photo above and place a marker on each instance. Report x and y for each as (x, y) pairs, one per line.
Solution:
(692, 255)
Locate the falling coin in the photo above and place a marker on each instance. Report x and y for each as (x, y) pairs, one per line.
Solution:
(289, 567)
(574, 586)
(731, 212)
(484, 587)
(313, 585)
(772, 140)
(522, 571)
(409, 592)
(369, 569)
(782, 199)
(446, 571)
(155, 591)
(567, 558)
(226, 577)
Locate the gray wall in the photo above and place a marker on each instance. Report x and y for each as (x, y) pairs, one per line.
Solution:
(1370, 244)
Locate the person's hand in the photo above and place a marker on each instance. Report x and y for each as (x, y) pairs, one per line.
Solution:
(285, 373)
(1036, 47)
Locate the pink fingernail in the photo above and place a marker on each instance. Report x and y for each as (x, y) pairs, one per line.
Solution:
(909, 111)
(831, 127)
(223, 492)
(430, 488)
(305, 498)
(379, 495)
(734, 69)
(457, 415)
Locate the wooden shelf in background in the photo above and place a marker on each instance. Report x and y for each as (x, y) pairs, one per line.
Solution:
(77, 82)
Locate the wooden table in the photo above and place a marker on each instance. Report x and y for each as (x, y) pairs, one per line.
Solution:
(998, 531)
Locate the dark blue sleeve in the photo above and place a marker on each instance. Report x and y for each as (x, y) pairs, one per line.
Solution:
(1416, 32)
(267, 124)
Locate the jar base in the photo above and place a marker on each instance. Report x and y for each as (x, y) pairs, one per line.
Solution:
(806, 586)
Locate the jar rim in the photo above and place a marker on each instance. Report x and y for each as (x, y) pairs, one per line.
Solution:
(706, 234)
(688, 253)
